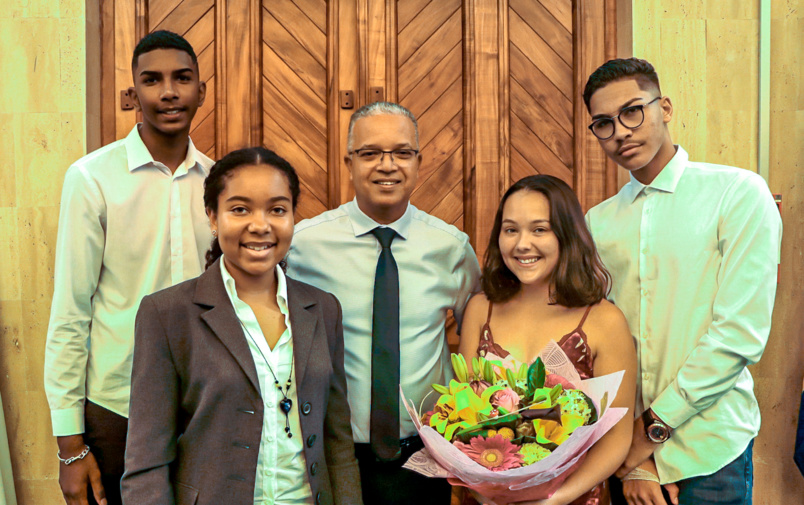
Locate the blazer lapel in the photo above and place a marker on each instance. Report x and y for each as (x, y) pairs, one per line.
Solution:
(303, 322)
(222, 320)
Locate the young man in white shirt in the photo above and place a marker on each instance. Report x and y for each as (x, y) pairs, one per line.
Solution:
(132, 222)
(693, 250)
(393, 334)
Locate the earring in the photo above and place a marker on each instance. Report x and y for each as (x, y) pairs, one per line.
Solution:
(214, 233)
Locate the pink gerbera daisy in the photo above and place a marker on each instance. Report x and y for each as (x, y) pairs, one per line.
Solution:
(495, 453)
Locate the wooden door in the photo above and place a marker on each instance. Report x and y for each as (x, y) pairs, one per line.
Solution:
(495, 84)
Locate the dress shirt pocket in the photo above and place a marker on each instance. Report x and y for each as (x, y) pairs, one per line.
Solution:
(185, 495)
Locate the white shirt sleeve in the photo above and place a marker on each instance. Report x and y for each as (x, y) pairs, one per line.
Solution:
(749, 238)
(79, 256)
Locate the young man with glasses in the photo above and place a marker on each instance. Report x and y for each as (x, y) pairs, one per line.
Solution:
(398, 272)
(693, 250)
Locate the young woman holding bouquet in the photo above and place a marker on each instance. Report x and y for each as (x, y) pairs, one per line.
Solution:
(238, 391)
(542, 281)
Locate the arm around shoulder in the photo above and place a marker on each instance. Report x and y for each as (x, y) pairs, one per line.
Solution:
(152, 432)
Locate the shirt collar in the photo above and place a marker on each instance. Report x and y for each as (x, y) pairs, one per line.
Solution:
(363, 224)
(281, 285)
(666, 181)
(139, 156)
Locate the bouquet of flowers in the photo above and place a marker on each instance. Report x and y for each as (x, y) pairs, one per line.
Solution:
(512, 431)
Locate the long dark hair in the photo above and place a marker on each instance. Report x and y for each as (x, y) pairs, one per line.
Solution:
(580, 279)
(220, 172)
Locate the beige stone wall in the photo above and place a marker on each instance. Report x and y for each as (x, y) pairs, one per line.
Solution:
(706, 54)
(42, 110)
(705, 50)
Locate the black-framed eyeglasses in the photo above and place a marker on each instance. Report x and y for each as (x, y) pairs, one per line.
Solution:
(631, 117)
(370, 155)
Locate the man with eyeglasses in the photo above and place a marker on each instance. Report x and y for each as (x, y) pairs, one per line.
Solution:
(693, 250)
(397, 272)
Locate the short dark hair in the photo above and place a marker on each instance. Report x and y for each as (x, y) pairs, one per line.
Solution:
(615, 70)
(162, 39)
(579, 279)
(215, 182)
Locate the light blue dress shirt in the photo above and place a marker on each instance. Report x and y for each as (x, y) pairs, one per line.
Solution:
(438, 272)
(693, 257)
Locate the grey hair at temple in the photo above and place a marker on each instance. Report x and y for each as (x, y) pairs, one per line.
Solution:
(378, 109)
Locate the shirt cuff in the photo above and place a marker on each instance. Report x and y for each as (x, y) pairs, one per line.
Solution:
(672, 408)
(67, 422)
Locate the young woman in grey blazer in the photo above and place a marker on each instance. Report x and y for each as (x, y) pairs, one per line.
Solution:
(238, 392)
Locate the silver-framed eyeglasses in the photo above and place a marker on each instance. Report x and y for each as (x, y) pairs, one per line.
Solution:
(631, 117)
(370, 155)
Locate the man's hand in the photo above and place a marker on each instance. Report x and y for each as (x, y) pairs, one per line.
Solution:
(646, 492)
(75, 477)
(641, 449)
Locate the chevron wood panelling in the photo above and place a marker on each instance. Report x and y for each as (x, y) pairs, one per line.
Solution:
(430, 80)
(541, 83)
(294, 93)
(195, 20)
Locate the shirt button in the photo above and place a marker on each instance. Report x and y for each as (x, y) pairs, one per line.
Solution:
(646, 376)
(644, 291)
(270, 404)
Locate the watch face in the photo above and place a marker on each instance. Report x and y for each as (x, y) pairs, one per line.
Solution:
(657, 433)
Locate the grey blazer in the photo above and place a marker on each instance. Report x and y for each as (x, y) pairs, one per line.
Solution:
(196, 411)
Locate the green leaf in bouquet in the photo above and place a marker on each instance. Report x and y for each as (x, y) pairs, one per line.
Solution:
(442, 390)
(551, 446)
(476, 368)
(449, 433)
(536, 375)
(556, 392)
(488, 372)
(459, 366)
(511, 378)
(494, 423)
(522, 373)
(524, 440)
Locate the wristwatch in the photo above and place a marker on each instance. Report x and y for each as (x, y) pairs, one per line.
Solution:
(656, 430)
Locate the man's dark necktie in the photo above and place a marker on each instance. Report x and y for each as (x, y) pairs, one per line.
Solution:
(385, 352)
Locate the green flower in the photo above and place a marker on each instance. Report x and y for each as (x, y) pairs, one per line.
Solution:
(532, 453)
(575, 406)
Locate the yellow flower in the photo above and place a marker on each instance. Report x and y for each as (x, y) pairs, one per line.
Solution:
(550, 432)
(458, 408)
(506, 433)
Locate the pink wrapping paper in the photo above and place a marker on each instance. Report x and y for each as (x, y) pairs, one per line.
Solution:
(532, 482)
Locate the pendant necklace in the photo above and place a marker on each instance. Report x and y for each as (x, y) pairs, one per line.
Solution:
(286, 403)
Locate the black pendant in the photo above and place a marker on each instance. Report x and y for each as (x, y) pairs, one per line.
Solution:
(285, 405)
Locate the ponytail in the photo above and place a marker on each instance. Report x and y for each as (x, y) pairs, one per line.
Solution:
(213, 253)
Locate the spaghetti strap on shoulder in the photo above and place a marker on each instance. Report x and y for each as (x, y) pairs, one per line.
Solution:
(583, 319)
(488, 317)
(486, 343)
